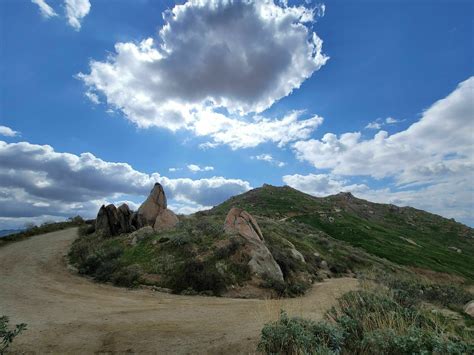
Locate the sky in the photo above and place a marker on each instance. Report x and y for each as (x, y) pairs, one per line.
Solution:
(101, 99)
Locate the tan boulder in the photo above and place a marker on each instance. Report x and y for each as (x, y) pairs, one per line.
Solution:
(153, 205)
(166, 220)
(239, 223)
(469, 308)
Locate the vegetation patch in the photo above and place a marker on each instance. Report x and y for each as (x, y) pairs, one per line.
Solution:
(366, 322)
(7, 333)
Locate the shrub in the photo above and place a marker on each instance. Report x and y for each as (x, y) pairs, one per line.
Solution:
(365, 322)
(196, 275)
(6, 334)
(209, 229)
(300, 336)
(229, 249)
(413, 290)
(86, 229)
(127, 277)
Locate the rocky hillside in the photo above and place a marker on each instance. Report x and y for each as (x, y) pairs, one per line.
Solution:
(403, 235)
(271, 241)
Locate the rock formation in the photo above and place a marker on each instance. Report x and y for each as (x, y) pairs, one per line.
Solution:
(165, 220)
(153, 205)
(241, 224)
(107, 221)
(153, 212)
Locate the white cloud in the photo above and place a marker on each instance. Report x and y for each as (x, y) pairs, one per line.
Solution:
(45, 10)
(322, 184)
(379, 123)
(195, 168)
(76, 10)
(93, 98)
(433, 155)
(194, 67)
(36, 181)
(8, 132)
(374, 125)
(269, 159)
(239, 134)
(173, 170)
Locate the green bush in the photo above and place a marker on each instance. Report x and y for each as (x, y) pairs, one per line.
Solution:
(414, 341)
(127, 277)
(6, 334)
(365, 322)
(413, 290)
(300, 336)
(196, 275)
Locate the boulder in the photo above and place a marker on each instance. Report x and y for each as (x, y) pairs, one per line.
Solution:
(166, 220)
(107, 222)
(153, 206)
(469, 308)
(140, 234)
(138, 221)
(239, 223)
(294, 253)
(125, 218)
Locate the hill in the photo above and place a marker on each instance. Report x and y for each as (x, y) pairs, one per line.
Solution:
(306, 237)
(403, 235)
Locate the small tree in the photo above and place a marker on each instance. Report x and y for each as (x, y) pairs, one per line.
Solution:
(7, 335)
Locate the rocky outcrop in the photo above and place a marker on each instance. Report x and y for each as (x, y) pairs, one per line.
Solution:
(293, 252)
(125, 218)
(239, 223)
(165, 220)
(153, 205)
(107, 222)
(153, 212)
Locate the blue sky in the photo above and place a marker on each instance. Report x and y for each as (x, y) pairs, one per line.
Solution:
(247, 90)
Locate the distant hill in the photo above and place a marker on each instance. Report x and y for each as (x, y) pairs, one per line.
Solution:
(403, 235)
(5, 232)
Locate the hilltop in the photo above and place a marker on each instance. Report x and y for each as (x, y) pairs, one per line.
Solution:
(403, 235)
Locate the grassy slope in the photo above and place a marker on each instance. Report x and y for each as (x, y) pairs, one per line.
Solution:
(379, 229)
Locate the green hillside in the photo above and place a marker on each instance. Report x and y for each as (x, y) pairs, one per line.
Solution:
(403, 235)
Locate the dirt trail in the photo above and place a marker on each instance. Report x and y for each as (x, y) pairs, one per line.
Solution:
(67, 313)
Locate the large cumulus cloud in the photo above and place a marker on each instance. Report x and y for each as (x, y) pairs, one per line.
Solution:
(240, 56)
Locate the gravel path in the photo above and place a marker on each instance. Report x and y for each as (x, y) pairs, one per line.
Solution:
(67, 313)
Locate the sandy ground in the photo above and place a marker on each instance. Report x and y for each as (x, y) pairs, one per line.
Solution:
(67, 313)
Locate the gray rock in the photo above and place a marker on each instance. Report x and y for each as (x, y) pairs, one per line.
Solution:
(125, 218)
(294, 253)
(107, 222)
(239, 223)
